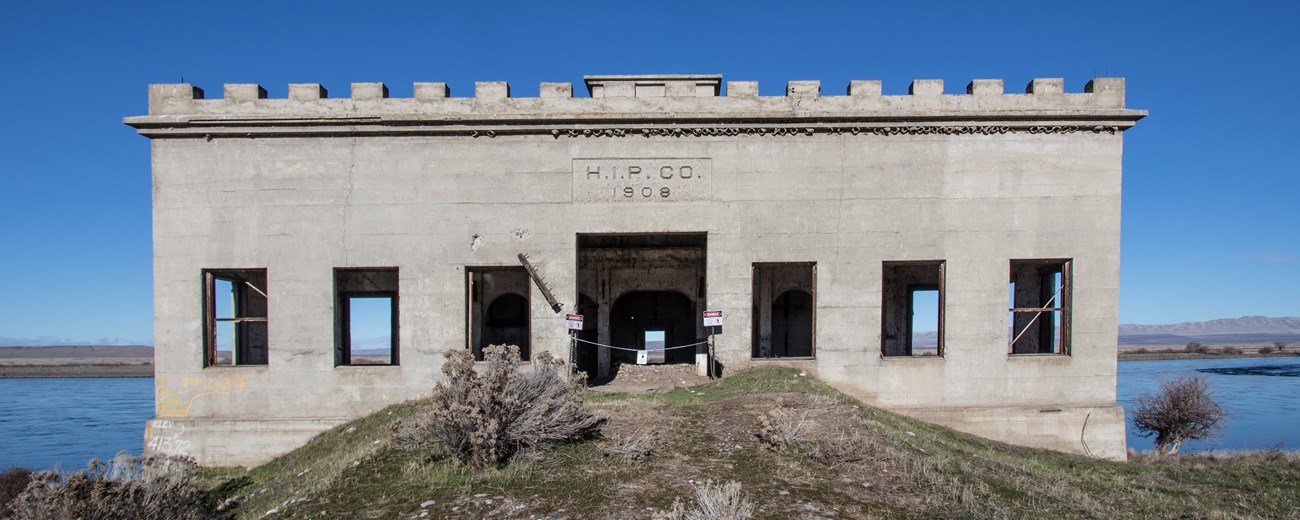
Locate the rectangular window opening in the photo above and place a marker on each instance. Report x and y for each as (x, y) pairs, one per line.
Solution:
(1039, 314)
(784, 310)
(498, 309)
(911, 307)
(366, 319)
(234, 317)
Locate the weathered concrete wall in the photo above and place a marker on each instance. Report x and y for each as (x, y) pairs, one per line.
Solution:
(434, 184)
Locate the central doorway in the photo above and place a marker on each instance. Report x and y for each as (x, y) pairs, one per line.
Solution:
(640, 292)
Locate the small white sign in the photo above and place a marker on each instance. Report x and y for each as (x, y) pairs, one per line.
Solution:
(573, 321)
(712, 318)
(641, 357)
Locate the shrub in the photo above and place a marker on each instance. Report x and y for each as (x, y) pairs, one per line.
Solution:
(782, 427)
(723, 502)
(1196, 348)
(127, 486)
(1265, 350)
(486, 418)
(1280, 345)
(1182, 409)
(1232, 351)
(1140, 350)
(12, 482)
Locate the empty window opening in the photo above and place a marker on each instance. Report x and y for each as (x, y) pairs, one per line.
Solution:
(784, 310)
(911, 305)
(1040, 307)
(654, 342)
(234, 317)
(499, 303)
(366, 316)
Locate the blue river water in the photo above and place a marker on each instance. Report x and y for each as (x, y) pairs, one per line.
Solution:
(47, 423)
(1259, 394)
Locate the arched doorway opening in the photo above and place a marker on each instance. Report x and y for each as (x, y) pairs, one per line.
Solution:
(506, 324)
(650, 319)
(792, 324)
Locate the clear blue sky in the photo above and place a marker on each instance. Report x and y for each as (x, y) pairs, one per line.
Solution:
(1210, 188)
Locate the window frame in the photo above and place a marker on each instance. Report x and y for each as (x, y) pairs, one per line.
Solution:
(1063, 266)
(238, 277)
(343, 315)
(909, 290)
(525, 351)
(755, 311)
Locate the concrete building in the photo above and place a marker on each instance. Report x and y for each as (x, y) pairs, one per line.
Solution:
(826, 228)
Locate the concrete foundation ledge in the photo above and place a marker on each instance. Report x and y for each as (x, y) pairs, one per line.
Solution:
(231, 442)
(1096, 431)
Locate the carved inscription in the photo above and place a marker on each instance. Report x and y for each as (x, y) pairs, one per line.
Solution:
(631, 181)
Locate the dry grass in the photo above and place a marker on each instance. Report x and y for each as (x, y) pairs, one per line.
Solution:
(125, 487)
(851, 461)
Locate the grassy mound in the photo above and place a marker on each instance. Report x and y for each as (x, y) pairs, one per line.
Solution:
(798, 448)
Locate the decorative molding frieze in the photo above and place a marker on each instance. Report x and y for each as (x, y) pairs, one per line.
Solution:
(779, 131)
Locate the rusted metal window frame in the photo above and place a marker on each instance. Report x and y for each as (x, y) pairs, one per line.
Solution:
(1064, 297)
(942, 266)
(210, 319)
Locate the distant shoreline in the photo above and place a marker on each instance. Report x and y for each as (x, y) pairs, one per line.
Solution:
(77, 371)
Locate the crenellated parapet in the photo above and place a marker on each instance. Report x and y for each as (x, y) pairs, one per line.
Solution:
(659, 105)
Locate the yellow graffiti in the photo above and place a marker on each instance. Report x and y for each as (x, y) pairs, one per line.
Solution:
(177, 403)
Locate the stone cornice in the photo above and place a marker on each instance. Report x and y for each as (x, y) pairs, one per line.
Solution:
(684, 106)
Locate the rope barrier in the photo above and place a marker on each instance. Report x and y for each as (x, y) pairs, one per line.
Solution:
(636, 349)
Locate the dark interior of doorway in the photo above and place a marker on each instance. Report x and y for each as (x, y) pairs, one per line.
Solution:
(639, 286)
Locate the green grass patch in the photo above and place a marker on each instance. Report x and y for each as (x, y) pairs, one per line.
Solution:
(902, 469)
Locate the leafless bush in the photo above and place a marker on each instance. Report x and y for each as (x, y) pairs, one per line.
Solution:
(783, 427)
(486, 418)
(722, 502)
(12, 482)
(636, 445)
(1280, 345)
(1182, 409)
(126, 487)
(1232, 351)
(1196, 348)
(1142, 350)
(846, 448)
(1265, 350)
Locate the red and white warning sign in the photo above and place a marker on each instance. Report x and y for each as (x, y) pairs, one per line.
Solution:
(712, 318)
(573, 321)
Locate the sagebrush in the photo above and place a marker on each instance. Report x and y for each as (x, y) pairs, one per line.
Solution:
(126, 487)
(720, 502)
(12, 482)
(486, 417)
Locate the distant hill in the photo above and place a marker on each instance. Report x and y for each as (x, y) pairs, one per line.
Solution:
(77, 352)
(1244, 330)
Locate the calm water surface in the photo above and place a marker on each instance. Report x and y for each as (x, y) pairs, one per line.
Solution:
(46, 423)
(1261, 395)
